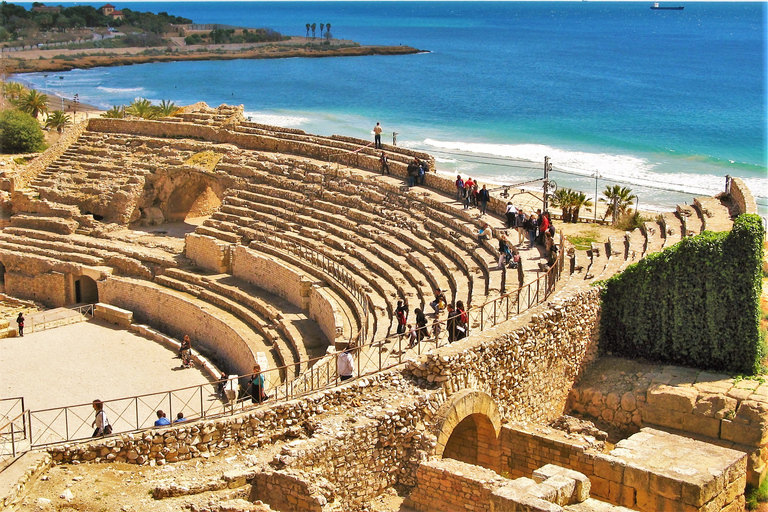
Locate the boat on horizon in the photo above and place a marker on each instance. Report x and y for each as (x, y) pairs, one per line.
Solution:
(657, 7)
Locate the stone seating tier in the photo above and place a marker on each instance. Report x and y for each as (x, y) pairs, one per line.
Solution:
(692, 223)
(352, 312)
(671, 228)
(653, 240)
(714, 215)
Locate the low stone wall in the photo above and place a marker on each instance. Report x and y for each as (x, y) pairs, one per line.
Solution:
(323, 310)
(524, 449)
(742, 197)
(528, 370)
(173, 314)
(207, 252)
(732, 414)
(448, 485)
(113, 314)
(271, 275)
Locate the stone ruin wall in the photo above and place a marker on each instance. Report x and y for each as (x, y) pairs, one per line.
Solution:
(529, 371)
(332, 153)
(742, 197)
(175, 315)
(731, 415)
(23, 178)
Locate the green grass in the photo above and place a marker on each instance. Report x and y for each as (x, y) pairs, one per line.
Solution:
(755, 496)
(584, 240)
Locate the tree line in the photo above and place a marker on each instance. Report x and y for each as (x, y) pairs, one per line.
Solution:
(16, 22)
(323, 26)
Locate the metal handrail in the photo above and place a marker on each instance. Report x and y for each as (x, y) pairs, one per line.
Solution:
(11, 426)
(62, 424)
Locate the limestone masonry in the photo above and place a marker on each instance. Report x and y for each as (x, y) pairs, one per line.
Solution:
(275, 246)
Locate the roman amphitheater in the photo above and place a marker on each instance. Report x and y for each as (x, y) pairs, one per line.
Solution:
(273, 246)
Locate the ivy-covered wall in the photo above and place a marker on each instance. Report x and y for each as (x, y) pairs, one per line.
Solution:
(696, 303)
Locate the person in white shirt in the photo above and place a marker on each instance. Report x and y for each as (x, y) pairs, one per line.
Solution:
(511, 213)
(100, 422)
(344, 365)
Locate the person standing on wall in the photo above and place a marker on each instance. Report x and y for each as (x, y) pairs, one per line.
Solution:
(377, 135)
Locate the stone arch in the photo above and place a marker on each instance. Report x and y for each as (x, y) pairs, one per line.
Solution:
(196, 196)
(468, 427)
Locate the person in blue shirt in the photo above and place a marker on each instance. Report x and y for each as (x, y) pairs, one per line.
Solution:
(161, 421)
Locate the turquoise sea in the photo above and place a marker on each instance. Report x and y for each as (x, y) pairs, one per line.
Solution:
(666, 102)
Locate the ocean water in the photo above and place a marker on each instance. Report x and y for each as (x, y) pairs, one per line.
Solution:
(666, 102)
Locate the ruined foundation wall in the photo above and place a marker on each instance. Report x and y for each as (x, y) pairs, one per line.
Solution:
(528, 370)
(173, 314)
(323, 310)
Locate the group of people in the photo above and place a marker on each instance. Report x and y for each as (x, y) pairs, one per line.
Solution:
(469, 192)
(102, 427)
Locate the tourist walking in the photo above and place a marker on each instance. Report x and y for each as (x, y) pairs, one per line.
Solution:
(520, 275)
(421, 324)
(384, 163)
(437, 328)
(483, 196)
(20, 322)
(256, 386)
(185, 352)
(401, 314)
(344, 364)
(377, 135)
(462, 327)
(423, 170)
(452, 324)
(544, 225)
(412, 336)
(505, 255)
(100, 422)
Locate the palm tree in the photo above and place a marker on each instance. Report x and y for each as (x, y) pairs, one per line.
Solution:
(57, 120)
(563, 198)
(166, 108)
(619, 196)
(141, 107)
(33, 103)
(116, 112)
(314, 26)
(579, 201)
(13, 90)
(328, 30)
(308, 27)
(322, 27)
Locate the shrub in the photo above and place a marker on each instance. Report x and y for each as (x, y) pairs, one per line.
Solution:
(694, 304)
(19, 132)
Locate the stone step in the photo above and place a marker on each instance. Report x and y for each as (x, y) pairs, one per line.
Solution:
(40, 222)
(714, 215)
(692, 223)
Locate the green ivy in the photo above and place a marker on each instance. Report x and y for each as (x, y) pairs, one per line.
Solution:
(696, 303)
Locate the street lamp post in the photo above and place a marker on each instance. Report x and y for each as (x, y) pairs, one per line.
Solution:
(597, 175)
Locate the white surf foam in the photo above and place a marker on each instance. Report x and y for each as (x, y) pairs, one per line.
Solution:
(276, 119)
(119, 90)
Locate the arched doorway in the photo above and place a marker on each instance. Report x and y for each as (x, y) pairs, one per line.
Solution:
(86, 290)
(468, 429)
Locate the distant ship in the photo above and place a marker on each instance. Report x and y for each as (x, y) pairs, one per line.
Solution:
(657, 7)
